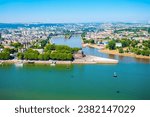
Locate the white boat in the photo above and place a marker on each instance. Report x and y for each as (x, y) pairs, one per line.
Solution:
(19, 64)
(53, 63)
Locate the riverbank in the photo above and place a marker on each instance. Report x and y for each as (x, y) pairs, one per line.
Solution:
(115, 52)
(85, 60)
(90, 45)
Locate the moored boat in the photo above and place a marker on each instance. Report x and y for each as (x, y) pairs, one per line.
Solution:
(53, 63)
(19, 64)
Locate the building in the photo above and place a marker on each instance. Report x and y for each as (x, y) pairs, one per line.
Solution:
(118, 44)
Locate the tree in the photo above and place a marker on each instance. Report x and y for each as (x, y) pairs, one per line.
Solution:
(146, 43)
(54, 52)
(69, 57)
(138, 52)
(125, 42)
(111, 45)
(43, 43)
(127, 51)
(20, 56)
(145, 52)
(40, 56)
(91, 41)
(134, 43)
(62, 47)
(61, 56)
(121, 50)
(17, 45)
(46, 56)
(4, 56)
(49, 47)
(7, 50)
(31, 54)
(74, 50)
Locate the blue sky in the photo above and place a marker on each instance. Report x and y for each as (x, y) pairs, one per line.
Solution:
(60, 11)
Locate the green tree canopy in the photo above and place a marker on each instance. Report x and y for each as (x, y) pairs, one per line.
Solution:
(20, 56)
(121, 50)
(17, 45)
(49, 47)
(31, 54)
(111, 45)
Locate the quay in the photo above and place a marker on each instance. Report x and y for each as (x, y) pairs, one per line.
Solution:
(88, 59)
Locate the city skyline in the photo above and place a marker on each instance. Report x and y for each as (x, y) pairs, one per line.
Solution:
(74, 11)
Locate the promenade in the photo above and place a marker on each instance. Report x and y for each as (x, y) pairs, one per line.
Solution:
(85, 60)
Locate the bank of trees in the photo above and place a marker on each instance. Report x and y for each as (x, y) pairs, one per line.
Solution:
(61, 56)
(91, 41)
(31, 54)
(17, 45)
(5, 54)
(124, 42)
(51, 51)
(133, 46)
(60, 48)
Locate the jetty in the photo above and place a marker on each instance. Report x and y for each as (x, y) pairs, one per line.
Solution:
(88, 59)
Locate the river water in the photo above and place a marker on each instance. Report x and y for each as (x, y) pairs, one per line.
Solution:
(93, 81)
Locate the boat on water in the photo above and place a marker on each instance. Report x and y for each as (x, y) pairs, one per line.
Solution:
(30, 62)
(53, 64)
(115, 75)
(19, 64)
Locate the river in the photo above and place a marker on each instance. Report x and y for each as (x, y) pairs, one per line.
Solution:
(94, 81)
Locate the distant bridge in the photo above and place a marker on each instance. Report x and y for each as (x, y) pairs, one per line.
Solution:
(57, 34)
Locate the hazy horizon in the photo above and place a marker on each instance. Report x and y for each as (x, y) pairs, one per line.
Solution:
(144, 22)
